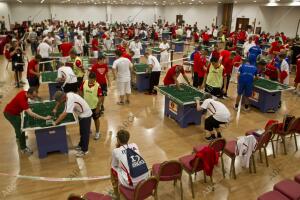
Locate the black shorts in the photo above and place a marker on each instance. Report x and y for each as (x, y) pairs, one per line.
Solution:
(104, 89)
(96, 115)
(34, 81)
(211, 123)
(18, 68)
(70, 87)
(197, 81)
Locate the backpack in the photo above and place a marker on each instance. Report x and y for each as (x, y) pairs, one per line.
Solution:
(137, 165)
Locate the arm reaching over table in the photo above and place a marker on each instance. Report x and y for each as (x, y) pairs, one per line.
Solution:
(34, 115)
(61, 117)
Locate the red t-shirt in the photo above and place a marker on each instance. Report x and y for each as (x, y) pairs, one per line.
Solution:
(168, 80)
(237, 59)
(225, 54)
(242, 36)
(196, 36)
(205, 37)
(199, 63)
(31, 66)
(18, 104)
(95, 44)
(228, 65)
(215, 54)
(274, 47)
(91, 85)
(121, 48)
(126, 55)
(65, 48)
(100, 70)
(271, 71)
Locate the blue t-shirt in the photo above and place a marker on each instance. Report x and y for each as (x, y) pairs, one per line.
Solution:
(247, 74)
(253, 53)
(192, 56)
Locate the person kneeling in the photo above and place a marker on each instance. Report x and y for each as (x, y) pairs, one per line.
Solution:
(218, 114)
(128, 168)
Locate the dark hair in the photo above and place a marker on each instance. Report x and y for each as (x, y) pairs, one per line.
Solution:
(123, 136)
(38, 57)
(32, 90)
(92, 75)
(118, 53)
(214, 59)
(101, 56)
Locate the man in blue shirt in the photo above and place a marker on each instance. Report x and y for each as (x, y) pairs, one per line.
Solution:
(253, 53)
(246, 76)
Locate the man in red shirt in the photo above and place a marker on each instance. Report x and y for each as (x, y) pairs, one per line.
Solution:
(101, 70)
(297, 78)
(65, 48)
(199, 68)
(215, 53)
(242, 36)
(12, 113)
(95, 46)
(228, 65)
(205, 38)
(172, 75)
(275, 47)
(33, 72)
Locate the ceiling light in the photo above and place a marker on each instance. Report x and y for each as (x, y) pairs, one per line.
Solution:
(19, 1)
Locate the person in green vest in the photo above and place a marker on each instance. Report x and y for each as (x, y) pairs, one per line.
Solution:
(91, 92)
(77, 66)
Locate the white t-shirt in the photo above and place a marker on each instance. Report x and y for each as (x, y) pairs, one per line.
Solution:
(78, 45)
(66, 73)
(188, 33)
(152, 60)
(108, 44)
(217, 109)
(76, 104)
(164, 46)
(119, 161)
(247, 46)
(122, 65)
(285, 67)
(136, 48)
(44, 49)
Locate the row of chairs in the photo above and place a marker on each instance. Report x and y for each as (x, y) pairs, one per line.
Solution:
(172, 170)
(284, 190)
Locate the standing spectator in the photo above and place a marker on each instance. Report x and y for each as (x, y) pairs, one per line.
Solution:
(136, 47)
(95, 46)
(164, 54)
(155, 69)
(33, 39)
(78, 45)
(108, 43)
(44, 49)
(65, 49)
(121, 72)
(33, 74)
(18, 63)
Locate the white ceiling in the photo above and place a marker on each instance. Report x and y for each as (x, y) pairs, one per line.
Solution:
(147, 2)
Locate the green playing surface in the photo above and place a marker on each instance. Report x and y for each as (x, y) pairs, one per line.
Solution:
(140, 67)
(44, 109)
(178, 41)
(184, 96)
(55, 54)
(49, 76)
(270, 85)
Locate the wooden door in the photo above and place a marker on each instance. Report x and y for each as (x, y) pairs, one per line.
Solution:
(179, 19)
(241, 23)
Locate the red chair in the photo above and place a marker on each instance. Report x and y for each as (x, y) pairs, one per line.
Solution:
(272, 195)
(292, 128)
(96, 196)
(143, 190)
(218, 145)
(168, 171)
(289, 188)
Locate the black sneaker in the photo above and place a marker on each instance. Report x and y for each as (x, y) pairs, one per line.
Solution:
(210, 138)
(102, 108)
(236, 107)
(219, 135)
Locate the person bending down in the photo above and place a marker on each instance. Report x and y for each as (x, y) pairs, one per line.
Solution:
(218, 114)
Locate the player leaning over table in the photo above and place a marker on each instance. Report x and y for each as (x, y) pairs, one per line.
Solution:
(77, 67)
(75, 104)
(213, 80)
(218, 114)
(172, 75)
(12, 113)
(91, 91)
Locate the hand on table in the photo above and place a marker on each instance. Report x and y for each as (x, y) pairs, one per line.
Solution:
(54, 111)
(48, 117)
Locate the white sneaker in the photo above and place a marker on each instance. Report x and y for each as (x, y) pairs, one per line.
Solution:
(81, 153)
(97, 136)
(27, 151)
(78, 148)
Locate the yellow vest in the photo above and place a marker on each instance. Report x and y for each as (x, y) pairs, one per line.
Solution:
(78, 71)
(215, 76)
(90, 94)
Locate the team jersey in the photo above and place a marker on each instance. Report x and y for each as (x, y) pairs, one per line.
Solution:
(247, 73)
(253, 53)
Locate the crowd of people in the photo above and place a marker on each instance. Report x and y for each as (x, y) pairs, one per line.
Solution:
(246, 56)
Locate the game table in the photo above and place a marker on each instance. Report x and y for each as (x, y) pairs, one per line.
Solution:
(178, 45)
(50, 79)
(49, 138)
(166, 35)
(267, 95)
(141, 77)
(156, 52)
(110, 56)
(180, 105)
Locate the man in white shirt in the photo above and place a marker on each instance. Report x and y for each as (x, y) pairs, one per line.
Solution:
(136, 47)
(66, 76)
(247, 45)
(155, 69)
(218, 114)
(120, 171)
(44, 49)
(122, 73)
(284, 69)
(108, 43)
(75, 104)
(164, 54)
(78, 45)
